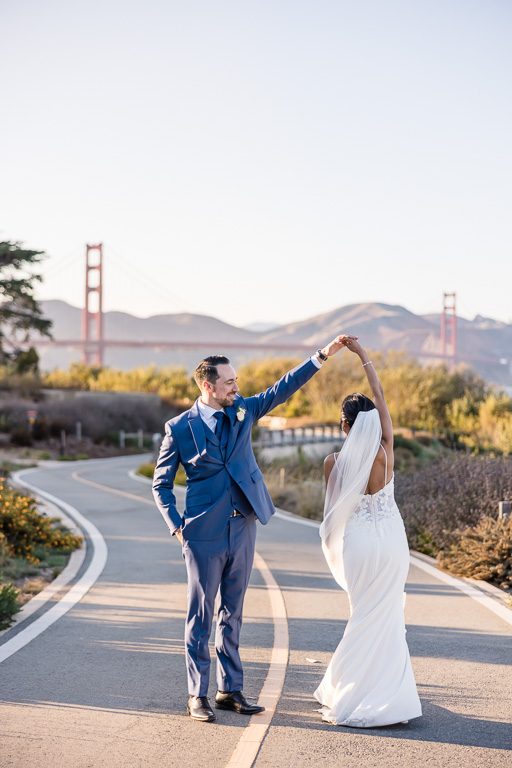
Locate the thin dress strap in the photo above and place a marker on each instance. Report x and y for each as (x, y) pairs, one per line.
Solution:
(386, 470)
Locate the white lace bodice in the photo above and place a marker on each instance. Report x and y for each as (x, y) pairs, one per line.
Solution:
(376, 511)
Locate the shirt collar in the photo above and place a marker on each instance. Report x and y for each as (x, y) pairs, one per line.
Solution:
(207, 410)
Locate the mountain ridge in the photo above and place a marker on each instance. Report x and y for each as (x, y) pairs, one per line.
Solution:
(379, 325)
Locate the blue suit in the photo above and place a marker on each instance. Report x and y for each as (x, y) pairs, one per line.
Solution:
(222, 476)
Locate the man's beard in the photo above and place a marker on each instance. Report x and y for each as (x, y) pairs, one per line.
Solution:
(227, 401)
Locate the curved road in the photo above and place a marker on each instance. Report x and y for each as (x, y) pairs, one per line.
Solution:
(105, 684)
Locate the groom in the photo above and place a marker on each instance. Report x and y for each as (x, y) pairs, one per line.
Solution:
(225, 496)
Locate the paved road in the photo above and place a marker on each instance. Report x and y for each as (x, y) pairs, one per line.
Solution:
(105, 684)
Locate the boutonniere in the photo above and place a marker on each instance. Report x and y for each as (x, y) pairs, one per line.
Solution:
(240, 413)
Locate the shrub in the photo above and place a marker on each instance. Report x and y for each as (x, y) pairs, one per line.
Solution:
(449, 494)
(4, 554)
(425, 440)
(21, 436)
(41, 429)
(482, 552)
(399, 441)
(147, 470)
(24, 527)
(57, 425)
(8, 605)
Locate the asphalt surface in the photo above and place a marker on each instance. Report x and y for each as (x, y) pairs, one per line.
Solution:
(105, 685)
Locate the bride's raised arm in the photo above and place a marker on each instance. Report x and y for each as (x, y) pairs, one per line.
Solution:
(377, 392)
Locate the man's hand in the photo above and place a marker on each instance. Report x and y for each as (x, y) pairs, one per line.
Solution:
(338, 343)
(179, 535)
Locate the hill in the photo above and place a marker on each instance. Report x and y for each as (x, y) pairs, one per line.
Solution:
(380, 326)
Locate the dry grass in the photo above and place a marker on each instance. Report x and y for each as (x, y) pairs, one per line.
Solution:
(31, 587)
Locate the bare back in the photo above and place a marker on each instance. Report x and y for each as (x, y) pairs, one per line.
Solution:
(381, 471)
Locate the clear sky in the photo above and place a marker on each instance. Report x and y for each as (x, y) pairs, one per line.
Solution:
(262, 161)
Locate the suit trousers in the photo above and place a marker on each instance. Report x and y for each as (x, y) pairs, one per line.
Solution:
(220, 566)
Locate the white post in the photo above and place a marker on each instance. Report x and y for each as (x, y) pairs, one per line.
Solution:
(503, 509)
(157, 441)
(79, 430)
(140, 438)
(122, 436)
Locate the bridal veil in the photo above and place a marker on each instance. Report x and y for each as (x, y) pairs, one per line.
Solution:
(346, 486)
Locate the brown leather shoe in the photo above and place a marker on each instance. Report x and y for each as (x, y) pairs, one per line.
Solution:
(198, 707)
(237, 702)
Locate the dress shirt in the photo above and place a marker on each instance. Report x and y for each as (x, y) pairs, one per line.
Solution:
(207, 413)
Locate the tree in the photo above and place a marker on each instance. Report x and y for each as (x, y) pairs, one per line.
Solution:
(20, 313)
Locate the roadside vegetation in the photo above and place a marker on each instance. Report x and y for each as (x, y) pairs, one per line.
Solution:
(453, 441)
(34, 549)
(459, 404)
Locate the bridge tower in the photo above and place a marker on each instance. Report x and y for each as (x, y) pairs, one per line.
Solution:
(449, 328)
(92, 318)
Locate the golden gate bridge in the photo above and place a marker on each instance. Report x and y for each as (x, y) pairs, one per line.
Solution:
(93, 342)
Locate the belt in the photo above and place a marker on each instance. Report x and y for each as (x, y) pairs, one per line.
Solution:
(236, 513)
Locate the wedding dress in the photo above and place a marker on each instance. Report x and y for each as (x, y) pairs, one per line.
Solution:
(369, 681)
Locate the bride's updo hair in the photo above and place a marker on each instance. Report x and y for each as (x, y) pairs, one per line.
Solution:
(354, 404)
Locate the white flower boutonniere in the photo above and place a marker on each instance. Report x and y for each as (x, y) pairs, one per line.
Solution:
(240, 414)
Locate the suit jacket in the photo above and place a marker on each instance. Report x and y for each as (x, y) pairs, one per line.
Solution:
(216, 483)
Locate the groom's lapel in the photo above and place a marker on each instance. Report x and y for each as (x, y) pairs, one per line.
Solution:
(198, 427)
(195, 423)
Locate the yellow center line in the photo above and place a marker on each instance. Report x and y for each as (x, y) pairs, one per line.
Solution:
(249, 743)
(76, 476)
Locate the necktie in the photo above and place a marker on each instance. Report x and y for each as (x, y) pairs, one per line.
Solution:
(219, 416)
(222, 431)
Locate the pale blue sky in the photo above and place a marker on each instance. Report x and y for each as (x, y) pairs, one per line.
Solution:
(262, 161)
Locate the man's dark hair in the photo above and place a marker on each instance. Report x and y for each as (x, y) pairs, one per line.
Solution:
(207, 369)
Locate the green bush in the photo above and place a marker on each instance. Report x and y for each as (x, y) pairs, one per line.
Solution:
(147, 470)
(399, 441)
(24, 527)
(8, 605)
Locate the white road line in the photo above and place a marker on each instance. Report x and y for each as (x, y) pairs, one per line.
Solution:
(476, 594)
(62, 580)
(77, 591)
(488, 602)
(250, 741)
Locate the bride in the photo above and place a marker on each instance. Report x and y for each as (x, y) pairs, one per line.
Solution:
(369, 681)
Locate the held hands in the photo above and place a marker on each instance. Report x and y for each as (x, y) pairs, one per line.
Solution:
(343, 340)
(354, 346)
